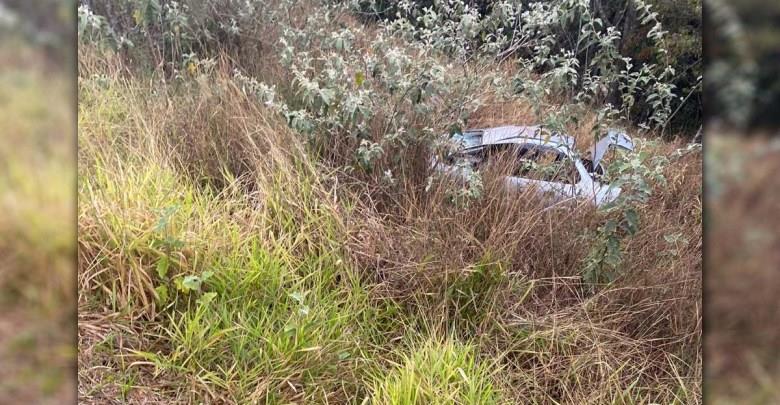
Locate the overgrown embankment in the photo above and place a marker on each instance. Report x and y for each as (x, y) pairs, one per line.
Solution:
(271, 231)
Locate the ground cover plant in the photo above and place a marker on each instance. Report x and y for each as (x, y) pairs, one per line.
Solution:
(259, 222)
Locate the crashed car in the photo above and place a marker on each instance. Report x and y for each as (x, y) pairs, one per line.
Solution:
(545, 161)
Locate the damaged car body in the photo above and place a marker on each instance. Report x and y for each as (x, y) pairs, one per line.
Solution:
(545, 161)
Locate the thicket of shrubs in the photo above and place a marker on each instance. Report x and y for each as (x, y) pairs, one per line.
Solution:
(618, 54)
(653, 33)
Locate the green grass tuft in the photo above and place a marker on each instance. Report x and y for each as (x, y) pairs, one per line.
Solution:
(437, 372)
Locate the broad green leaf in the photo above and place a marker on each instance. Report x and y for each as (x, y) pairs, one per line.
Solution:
(632, 221)
(192, 283)
(178, 282)
(161, 294)
(162, 267)
(206, 298)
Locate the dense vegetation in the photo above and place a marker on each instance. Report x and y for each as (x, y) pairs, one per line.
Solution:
(660, 32)
(617, 55)
(258, 221)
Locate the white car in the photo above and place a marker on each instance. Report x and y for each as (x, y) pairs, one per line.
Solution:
(547, 162)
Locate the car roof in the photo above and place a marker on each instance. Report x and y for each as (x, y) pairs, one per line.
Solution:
(519, 135)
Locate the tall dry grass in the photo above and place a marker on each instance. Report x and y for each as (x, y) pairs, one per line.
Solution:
(507, 273)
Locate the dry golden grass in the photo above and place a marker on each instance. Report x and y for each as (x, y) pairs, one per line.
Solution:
(507, 274)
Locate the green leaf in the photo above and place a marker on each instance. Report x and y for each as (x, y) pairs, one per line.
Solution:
(360, 77)
(162, 266)
(632, 221)
(178, 282)
(297, 296)
(304, 310)
(416, 95)
(613, 252)
(165, 218)
(610, 227)
(161, 294)
(327, 96)
(192, 283)
(206, 298)
(138, 16)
